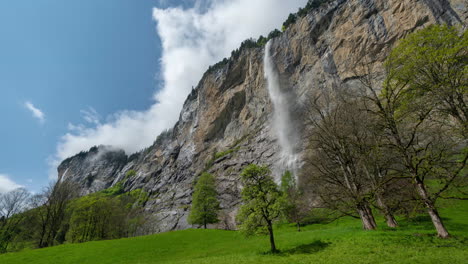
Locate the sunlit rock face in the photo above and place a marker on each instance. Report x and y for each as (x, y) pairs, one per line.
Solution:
(228, 120)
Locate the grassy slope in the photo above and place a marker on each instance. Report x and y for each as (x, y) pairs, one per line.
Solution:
(339, 242)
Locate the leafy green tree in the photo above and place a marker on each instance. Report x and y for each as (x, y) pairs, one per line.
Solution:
(97, 217)
(205, 205)
(425, 84)
(262, 205)
(104, 215)
(433, 66)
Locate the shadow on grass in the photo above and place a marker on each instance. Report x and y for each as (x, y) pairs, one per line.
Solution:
(310, 248)
(424, 221)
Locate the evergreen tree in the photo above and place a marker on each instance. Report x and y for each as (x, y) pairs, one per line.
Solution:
(262, 205)
(205, 205)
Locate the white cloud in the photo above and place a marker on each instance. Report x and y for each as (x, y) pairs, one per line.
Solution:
(91, 116)
(6, 184)
(192, 39)
(36, 112)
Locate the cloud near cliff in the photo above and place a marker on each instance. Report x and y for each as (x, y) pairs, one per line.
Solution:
(6, 184)
(192, 39)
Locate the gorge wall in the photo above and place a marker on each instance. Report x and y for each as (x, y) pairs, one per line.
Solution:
(228, 120)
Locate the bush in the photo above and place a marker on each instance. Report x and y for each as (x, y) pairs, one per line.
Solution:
(225, 153)
(115, 190)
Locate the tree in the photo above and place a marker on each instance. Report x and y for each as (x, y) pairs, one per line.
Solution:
(294, 204)
(433, 66)
(291, 20)
(106, 215)
(97, 217)
(340, 144)
(12, 204)
(262, 205)
(377, 162)
(274, 34)
(52, 208)
(205, 205)
(262, 41)
(417, 93)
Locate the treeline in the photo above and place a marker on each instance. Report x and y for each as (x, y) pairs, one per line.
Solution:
(246, 44)
(263, 40)
(302, 12)
(394, 146)
(58, 215)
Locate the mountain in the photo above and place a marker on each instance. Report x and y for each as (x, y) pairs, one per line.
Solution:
(251, 108)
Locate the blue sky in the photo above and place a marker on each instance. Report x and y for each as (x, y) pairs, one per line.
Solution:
(63, 57)
(109, 61)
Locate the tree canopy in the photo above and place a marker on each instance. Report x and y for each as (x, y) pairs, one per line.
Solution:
(262, 206)
(432, 66)
(205, 205)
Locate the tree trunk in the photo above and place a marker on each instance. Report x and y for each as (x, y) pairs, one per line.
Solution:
(298, 227)
(367, 218)
(432, 210)
(43, 232)
(272, 238)
(204, 223)
(389, 218)
(391, 221)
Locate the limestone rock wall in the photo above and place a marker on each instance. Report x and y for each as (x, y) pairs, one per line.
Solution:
(230, 113)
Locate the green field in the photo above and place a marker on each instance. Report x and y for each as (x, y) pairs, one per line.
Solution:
(342, 241)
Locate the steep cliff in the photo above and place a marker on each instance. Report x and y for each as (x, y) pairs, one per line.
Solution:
(227, 120)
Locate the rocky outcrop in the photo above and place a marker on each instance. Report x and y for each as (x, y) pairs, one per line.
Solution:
(94, 170)
(226, 123)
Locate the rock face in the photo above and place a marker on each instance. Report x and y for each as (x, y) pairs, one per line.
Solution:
(226, 121)
(94, 170)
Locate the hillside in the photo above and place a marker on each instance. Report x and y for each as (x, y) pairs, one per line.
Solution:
(227, 120)
(342, 241)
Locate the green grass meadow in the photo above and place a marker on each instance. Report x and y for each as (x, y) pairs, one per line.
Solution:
(342, 241)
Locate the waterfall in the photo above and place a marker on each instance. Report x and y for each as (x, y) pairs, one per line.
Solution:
(282, 124)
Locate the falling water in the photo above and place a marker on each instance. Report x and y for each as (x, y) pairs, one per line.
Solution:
(282, 123)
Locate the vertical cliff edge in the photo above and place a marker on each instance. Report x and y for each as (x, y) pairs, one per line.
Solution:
(227, 121)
